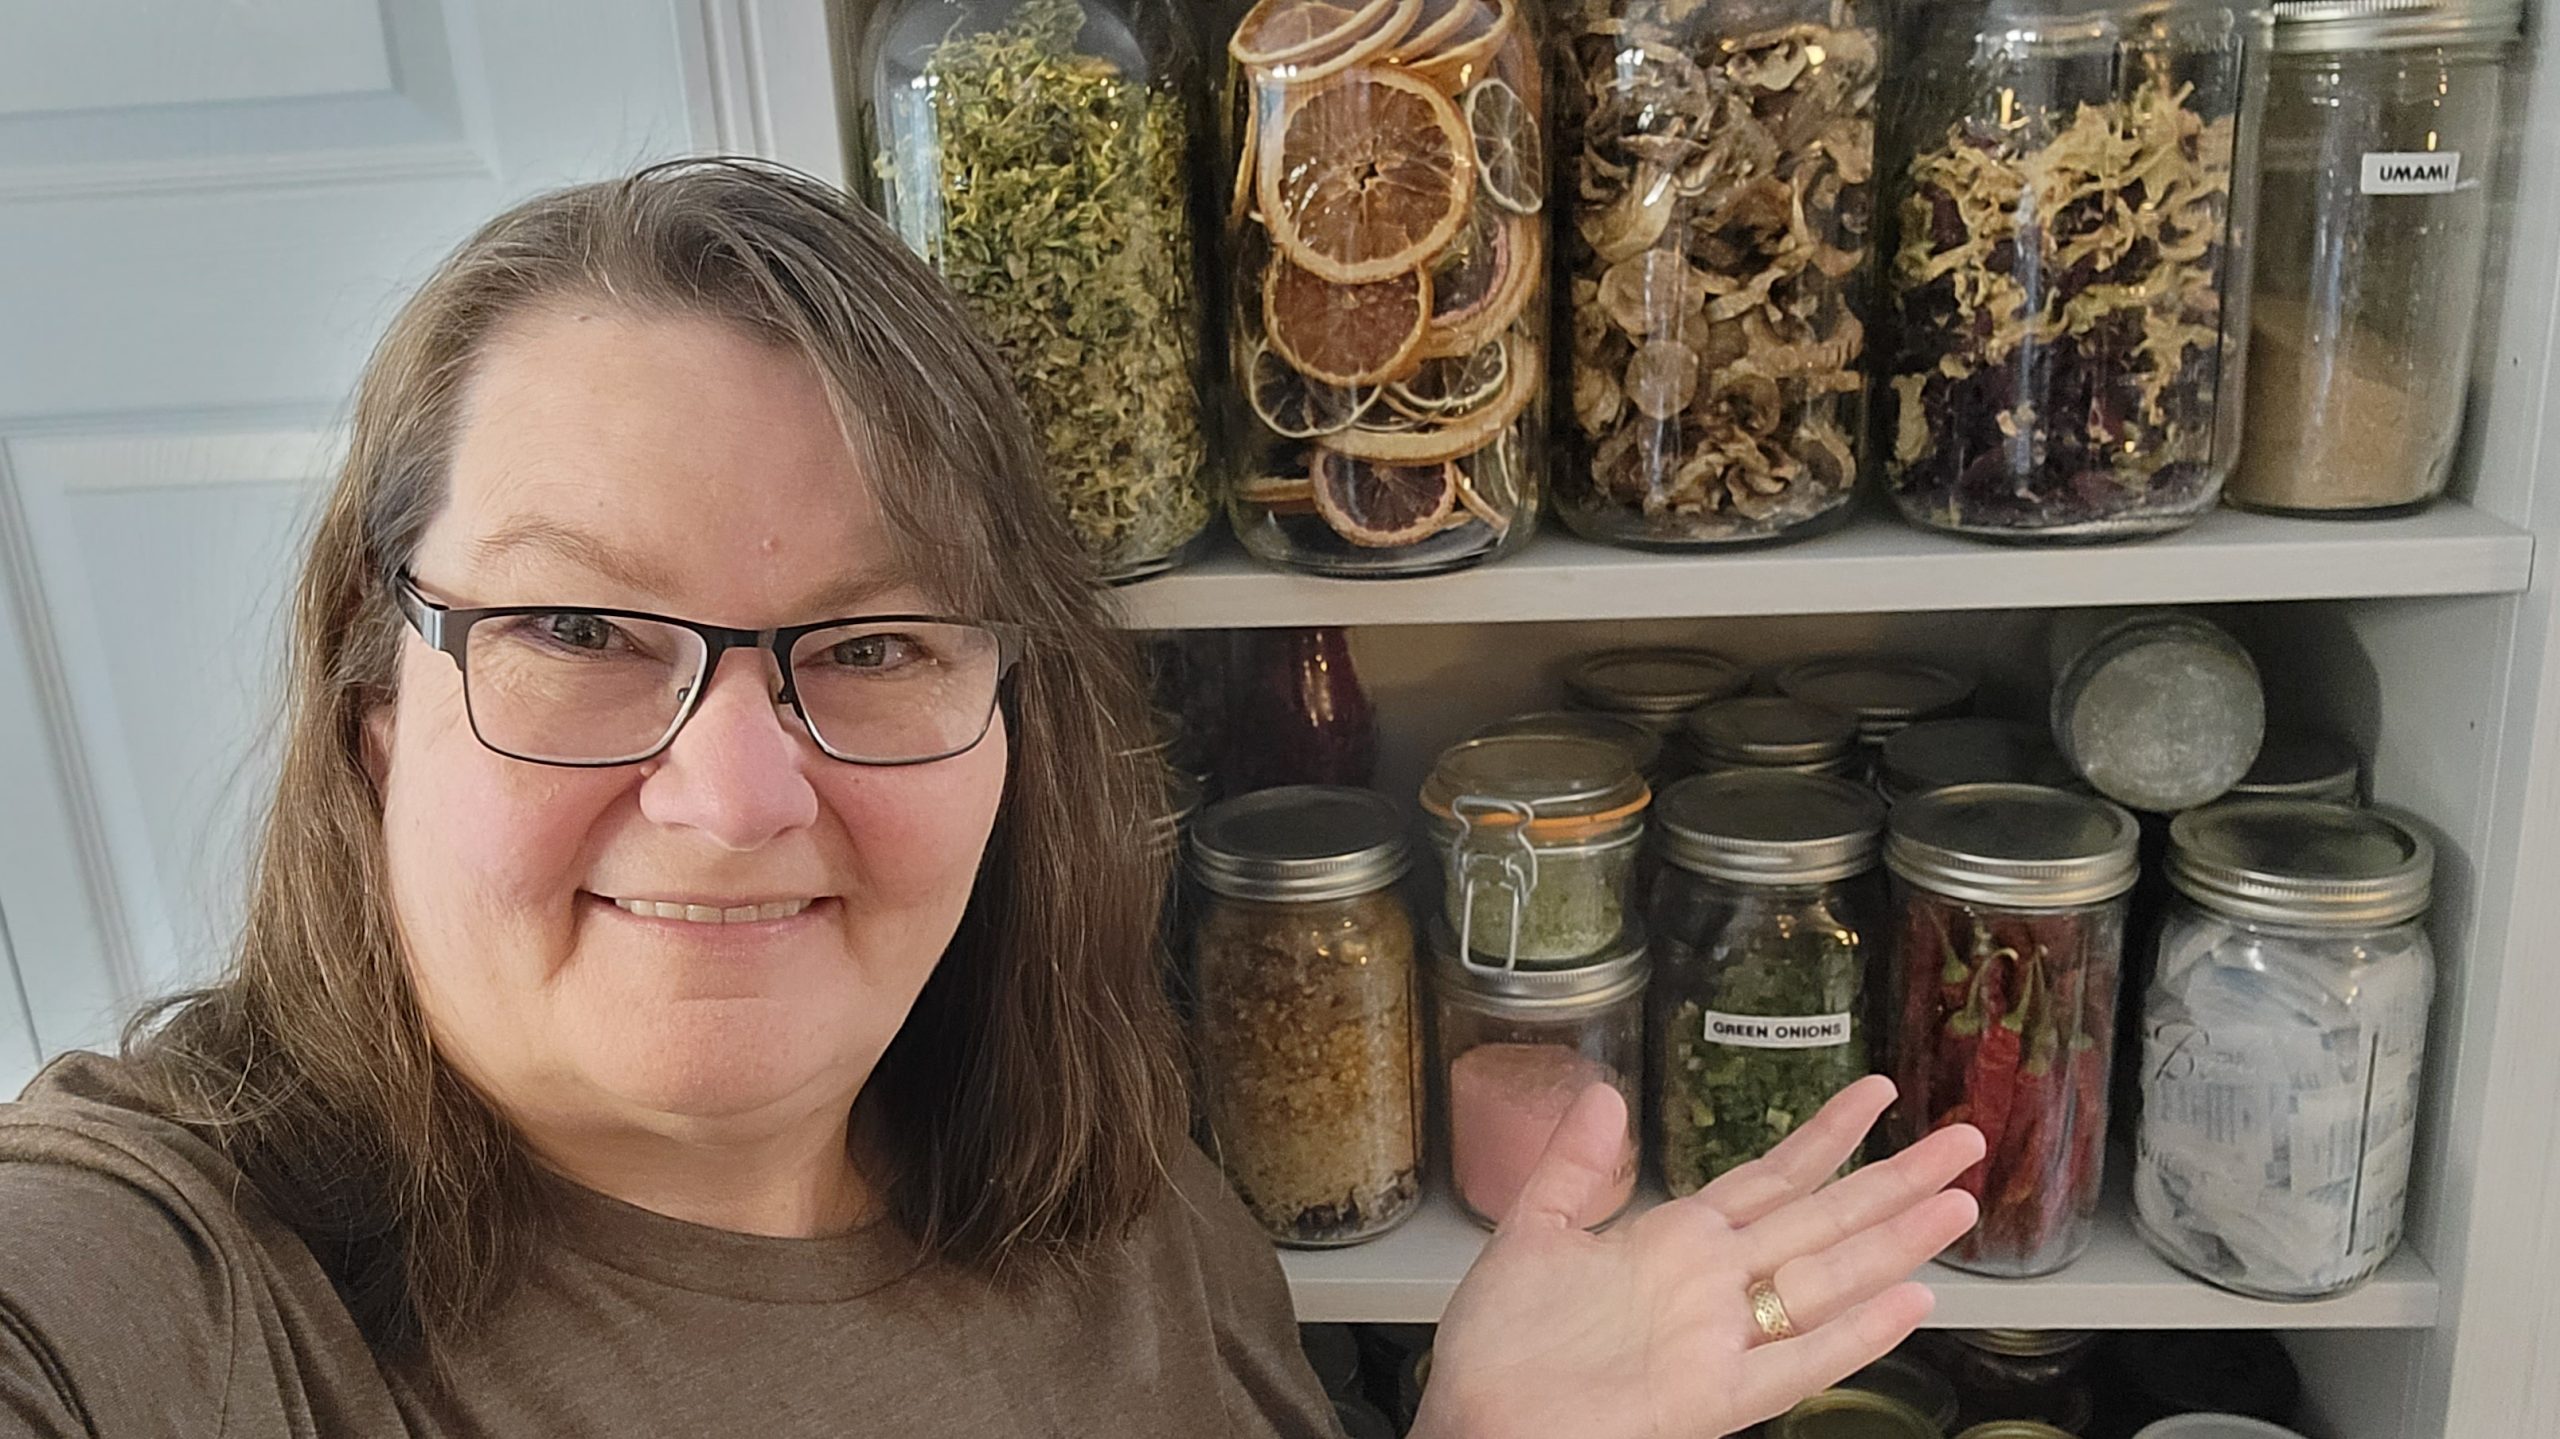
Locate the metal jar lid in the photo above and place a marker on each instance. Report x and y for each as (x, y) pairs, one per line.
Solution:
(1654, 687)
(1558, 790)
(2300, 861)
(2161, 711)
(2306, 25)
(2025, 1343)
(1300, 842)
(1545, 990)
(2292, 765)
(1883, 693)
(1770, 827)
(2016, 1429)
(1854, 1414)
(1934, 754)
(1642, 745)
(1771, 731)
(2018, 845)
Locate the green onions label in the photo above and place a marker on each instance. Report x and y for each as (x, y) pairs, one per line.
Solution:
(1764, 1031)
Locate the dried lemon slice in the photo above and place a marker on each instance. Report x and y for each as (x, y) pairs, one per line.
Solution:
(1454, 385)
(1345, 335)
(1450, 439)
(1509, 163)
(1438, 21)
(1366, 176)
(1467, 55)
(1298, 408)
(1382, 507)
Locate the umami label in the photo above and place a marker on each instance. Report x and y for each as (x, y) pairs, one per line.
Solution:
(2412, 172)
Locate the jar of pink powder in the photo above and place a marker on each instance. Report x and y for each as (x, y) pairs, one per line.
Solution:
(1519, 1044)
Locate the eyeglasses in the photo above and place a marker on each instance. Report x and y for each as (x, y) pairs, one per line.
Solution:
(583, 687)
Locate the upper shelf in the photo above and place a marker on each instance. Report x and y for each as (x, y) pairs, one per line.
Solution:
(1875, 564)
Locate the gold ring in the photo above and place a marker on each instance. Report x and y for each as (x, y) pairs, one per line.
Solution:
(1769, 1311)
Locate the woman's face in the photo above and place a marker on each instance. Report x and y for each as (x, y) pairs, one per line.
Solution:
(682, 467)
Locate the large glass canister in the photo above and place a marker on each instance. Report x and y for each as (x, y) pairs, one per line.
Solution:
(1762, 922)
(1386, 246)
(1538, 839)
(1720, 159)
(2009, 930)
(2283, 1037)
(2068, 186)
(1038, 154)
(1309, 1024)
(2380, 145)
(1520, 1044)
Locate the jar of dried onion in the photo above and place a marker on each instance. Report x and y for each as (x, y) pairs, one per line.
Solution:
(1386, 249)
(1721, 158)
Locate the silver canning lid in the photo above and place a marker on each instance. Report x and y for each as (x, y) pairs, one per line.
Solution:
(2394, 24)
(2014, 845)
(2161, 712)
(2299, 861)
(2303, 766)
(1654, 686)
(1300, 842)
(1770, 827)
(2025, 1343)
(1769, 730)
(1882, 693)
(1642, 745)
(1934, 754)
(1614, 974)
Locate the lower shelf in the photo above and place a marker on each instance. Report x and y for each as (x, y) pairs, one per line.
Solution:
(1406, 1277)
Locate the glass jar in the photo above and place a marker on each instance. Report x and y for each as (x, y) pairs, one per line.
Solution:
(1761, 921)
(1520, 1045)
(2282, 1041)
(1538, 839)
(2158, 711)
(1769, 732)
(1721, 160)
(1849, 1412)
(2033, 1375)
(1297, 713)
(2009, 928)
(1937, 753)
(2068, 192)
(1653, 687)
(2294, 765)
(1386, 245)
(1038, 155)
(1909, 1375)
(1881, 692)
(1310, 1026)
(1643, 746)
(2381, 139)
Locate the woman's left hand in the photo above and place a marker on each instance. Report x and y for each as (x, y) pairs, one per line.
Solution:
(1646, 1330)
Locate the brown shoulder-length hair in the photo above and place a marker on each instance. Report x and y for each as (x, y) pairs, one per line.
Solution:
(1028, 1093)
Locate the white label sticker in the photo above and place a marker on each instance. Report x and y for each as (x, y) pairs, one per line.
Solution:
(2412, 172)
(1777, 1031)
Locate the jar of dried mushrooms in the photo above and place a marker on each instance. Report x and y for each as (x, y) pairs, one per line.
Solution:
(1721, 158)
(1037, 153)
(1386, 249)
(2068, 200)
(1309, 1026)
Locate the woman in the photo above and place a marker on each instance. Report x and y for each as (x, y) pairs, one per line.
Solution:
(669, 1005)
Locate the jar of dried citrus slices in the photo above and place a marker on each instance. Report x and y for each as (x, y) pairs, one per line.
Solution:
(1386, 243)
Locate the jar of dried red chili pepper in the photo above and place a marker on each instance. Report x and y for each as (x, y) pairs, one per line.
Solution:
(2010, 903)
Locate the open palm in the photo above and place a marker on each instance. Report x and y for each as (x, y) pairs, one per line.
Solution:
(1646, 1331)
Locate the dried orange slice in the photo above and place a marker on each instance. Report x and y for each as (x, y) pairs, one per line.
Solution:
(1366, 176)
(1294, 407)
(1381, 507)
(1438, 21)
(1467, 54)
(1347, 335)
(1276, 32)
(1451, 386)
(1452, 439)
(1280, 494)
(1370, 45)
(1466, 330)
(1510, 166)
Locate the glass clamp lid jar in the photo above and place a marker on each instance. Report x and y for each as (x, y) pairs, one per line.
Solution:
(1308, 1026)
(2381, 137)
(2283, 1037)
(1719, 342)
(1968, 750)
(1883, 693)
(1643, 745)
(1520, 1044)
(1387, 253)
(1038, 155)
(2068, 192)
(2158, 711)
(1761, 923)
(1538, 840)
(1655, 688)
(2009, 908)
(1770, 732)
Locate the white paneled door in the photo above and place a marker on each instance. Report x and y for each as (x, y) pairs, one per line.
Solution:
(207, 213)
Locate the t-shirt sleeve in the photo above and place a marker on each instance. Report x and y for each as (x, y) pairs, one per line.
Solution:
(1254, 1325)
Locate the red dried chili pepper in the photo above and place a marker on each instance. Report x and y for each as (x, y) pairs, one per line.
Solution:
(2024, 1167)
(2089, 1081)
(1991, 1071)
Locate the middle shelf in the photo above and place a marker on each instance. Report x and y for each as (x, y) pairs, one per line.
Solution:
(1406, 1278)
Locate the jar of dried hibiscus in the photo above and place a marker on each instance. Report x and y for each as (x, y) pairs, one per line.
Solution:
(2009, 930)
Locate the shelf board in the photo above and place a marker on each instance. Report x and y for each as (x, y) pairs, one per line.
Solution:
(1874, 564)
(1406, 1277)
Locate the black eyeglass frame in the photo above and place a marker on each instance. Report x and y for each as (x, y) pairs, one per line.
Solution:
(447, 629)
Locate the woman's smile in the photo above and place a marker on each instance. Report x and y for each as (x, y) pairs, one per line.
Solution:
(725, 921)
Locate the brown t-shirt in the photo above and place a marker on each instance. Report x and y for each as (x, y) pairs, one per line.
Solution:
(145, 1291)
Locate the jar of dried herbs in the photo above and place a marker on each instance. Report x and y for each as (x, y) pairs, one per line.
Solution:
(1538, 838)
(1762, 923)
(2068, 192)
(1309, 1027)
(1386, 262)
(1038, 154)
(1721, 158)
(2009, 907)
